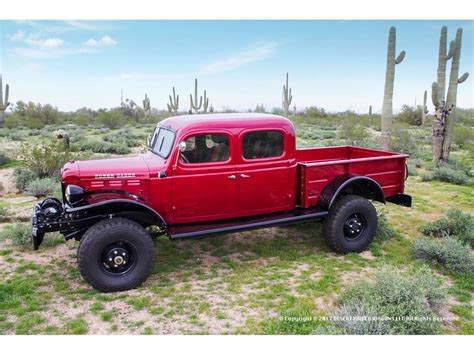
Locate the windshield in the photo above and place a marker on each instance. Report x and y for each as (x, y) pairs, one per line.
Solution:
(162, 142)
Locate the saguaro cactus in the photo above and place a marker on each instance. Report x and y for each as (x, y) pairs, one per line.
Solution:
(194, 105)
(287, 97)
(3, 101)
(370, 110)
(205, 103)
(424, 109)
(445, 108)
(451, 98)
(146, 105)
(174, 103)
(387, 107)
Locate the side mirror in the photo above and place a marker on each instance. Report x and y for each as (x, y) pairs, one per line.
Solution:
(182, 146)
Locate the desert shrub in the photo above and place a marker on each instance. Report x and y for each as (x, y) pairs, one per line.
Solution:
(446, 252)
(411, 115)
(456, 223)
(384, 230)
(41, 187)
(98, 146)
(358, 318)
(18, 233)
(112, 119)
(403, 302)
(447, 173)
(15, 136)
(463, 136)
(314, 112)
(4, 160)
(4, 212)
(353, 134)
(23, 177)
(403, 142)
(45, 160)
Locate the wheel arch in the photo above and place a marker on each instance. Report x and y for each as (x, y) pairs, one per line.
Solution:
(124, 208)
(351, 185)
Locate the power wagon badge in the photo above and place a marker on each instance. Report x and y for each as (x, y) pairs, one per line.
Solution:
(114, 176)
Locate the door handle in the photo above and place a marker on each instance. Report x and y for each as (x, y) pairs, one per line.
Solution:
(231, 177)
(244, 175)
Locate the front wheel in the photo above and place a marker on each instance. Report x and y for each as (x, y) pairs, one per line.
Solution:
(350, 225)
(116, 255)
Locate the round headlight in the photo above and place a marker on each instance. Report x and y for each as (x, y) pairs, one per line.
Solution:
(74, 193)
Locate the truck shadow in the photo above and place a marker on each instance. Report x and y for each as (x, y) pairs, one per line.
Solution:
(288, 243)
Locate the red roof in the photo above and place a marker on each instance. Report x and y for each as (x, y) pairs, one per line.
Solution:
(227, 120)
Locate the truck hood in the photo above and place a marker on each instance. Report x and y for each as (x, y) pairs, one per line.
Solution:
(112, 168)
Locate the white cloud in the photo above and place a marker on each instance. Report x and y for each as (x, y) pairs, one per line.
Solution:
(38, 53)
(105, 41)
(45, 43)
(18, 36)
(258, 52)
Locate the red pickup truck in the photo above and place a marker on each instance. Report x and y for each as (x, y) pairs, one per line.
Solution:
(210, 174)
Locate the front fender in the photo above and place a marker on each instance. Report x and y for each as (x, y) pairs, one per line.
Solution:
(72, 222)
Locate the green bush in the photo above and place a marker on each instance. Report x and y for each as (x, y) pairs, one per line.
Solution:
(463, 137)
(4, 160)
(403, 142)
(97, 146)
(456, 223)
(41, 187)
(18, 233)
(447, 173)
(353, 134)
(446, 252)
(403, 302)
(358, 318)
(4, 211)
(411, 115)
(112, 119)
(23, 177)
(384, 230)
(45, 160)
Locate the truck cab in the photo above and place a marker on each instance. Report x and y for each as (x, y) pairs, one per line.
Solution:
(214, 174)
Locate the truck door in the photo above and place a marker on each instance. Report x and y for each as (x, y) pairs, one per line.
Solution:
(205, 180)
(266, 179)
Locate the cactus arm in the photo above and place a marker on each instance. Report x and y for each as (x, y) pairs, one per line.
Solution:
(400, 57)
(461, 80)
(452, 45)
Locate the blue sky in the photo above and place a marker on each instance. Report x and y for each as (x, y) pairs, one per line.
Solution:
(338, 65)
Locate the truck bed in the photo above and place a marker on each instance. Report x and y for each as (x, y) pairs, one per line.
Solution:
(317, 167)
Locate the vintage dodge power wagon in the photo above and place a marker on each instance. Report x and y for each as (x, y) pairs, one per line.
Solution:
(214, 174)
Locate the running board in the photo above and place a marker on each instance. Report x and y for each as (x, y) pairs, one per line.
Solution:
(242, 224)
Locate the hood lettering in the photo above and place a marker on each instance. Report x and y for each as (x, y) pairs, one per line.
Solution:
(113, 176)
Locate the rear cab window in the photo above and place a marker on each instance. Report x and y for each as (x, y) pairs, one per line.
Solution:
(262, 144)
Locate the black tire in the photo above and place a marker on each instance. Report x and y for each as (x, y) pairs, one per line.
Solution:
(99, 245)
(350, 225)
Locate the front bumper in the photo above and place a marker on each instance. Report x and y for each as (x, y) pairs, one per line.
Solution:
(43, 221)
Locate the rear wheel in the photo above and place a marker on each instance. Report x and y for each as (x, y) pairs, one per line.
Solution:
(350, 225)
(116, 255)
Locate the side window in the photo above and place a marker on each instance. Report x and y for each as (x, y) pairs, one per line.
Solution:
(262, 144)
(206, 148)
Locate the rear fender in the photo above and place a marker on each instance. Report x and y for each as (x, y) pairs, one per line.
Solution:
(350, 185)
